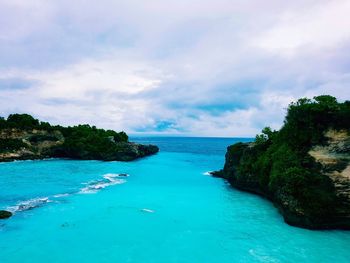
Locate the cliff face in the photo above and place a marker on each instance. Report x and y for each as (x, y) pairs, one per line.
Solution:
(335, 161)
(243, 181)
(303, 168)
(19, 141)
(32, 144)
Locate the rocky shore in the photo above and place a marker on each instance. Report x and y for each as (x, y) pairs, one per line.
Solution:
(41, 144)
(24, 138)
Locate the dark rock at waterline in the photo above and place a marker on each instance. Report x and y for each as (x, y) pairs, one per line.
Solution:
(5, 214)
(219, 174)
(121, 151)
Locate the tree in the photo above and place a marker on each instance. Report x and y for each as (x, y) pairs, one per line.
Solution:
(23, 121)
(266, 134)
(2, 123)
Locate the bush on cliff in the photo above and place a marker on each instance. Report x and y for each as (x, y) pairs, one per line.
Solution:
(7, 145)
(22, 121)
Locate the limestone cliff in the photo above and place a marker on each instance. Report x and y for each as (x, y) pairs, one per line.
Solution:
(335, 160)
(35, 144)
(22, 138)
(302, 168)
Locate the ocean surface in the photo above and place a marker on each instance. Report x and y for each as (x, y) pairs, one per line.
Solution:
(166, 210)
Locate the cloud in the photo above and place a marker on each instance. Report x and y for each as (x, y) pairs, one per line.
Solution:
(322, 26)
(210, 68)
(16, 83)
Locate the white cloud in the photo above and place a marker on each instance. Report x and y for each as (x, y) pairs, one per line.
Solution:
(218, 68)
(317, 27)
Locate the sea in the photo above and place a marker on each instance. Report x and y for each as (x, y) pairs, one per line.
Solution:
(161, 209)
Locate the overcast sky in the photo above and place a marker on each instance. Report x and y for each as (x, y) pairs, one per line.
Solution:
(189, 67)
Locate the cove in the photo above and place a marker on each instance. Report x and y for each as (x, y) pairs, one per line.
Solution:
(166, 210)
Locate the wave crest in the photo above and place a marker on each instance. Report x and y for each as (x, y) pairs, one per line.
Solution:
(108, 180)
(92, 187)
(29, 204)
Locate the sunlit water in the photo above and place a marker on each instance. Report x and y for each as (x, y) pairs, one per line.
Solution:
(166, 210)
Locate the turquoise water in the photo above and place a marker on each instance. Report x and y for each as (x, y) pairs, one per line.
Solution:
(166, 210)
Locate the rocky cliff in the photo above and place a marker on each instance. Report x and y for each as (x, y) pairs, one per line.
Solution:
(303, 168)
(22, 138)
(32, 144)
(334, 158)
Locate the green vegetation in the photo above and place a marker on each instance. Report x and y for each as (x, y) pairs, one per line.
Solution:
(30, 138)
(86, 142)
(78, 142)
(278, 165)
(27, 122)
(22, 121)
(9, 145)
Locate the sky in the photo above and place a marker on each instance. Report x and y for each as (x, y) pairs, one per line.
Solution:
(223, 68)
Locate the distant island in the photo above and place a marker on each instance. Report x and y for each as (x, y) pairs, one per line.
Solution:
(23, 137)
(304, 168)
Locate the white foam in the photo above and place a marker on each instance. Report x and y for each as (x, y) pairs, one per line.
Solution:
(61, 195)
(95, 186)
(111, 176)
(147, 210)
(207, 173)
(29, 204)
(87, 190)
(262, 258)
(92, 187)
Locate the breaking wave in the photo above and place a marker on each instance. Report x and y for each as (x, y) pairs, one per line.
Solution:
(92, 187)
(29, 204)
(108, 180)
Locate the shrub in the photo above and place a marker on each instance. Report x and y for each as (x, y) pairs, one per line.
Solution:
(9, 145)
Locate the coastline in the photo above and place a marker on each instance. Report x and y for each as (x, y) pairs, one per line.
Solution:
(303, 169)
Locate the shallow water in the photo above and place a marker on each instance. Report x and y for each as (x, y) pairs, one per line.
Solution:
(166, 210)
